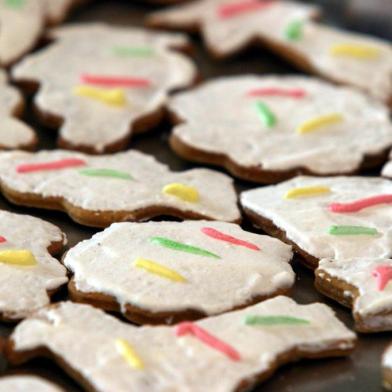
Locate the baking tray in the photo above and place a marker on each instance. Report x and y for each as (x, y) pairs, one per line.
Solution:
(361, 371)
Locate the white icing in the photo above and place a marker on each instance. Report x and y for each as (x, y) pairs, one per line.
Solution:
(24, 289)
(387, 169)
(230, 35)
(387, 358)
(84, 337)
(217, 200)
(306, 220)
(82, 49)
(24, 383)
(232, 124)
(104, 264)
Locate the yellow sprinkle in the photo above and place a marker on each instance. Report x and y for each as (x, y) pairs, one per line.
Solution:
(317, 122)
(355, 50)
(18, 257)
(306, 191)
(129, 354)
(159, 269)
(183, 192)
(114, 97)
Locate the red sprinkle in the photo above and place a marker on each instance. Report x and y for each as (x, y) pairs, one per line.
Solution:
(54, 165)
(277, 92)
(229, 10)
(383, 274)
(218, 235)
(114, 81)
(188, 328)
(2, 239)
(360, 204)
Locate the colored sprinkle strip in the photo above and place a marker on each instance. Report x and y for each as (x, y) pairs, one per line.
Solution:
(361, 204)
(274, 320)
(129, 354)
(126, 51)
(181, 191)
(115, 97)
(306, 191)
(114, 81)
(218, 235)
(168, 243)
(91, 172)
(277, 92)
(294, 30)
(352, 230)
(2, 239)
(15, 3)
(54, 165)
(188, 328)
(158, 269)
(318, 122)
(383, 275)
(18, 257)
(233, 9)
(355, 50)
(265, 114)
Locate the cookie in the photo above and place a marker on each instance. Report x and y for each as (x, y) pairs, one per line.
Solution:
(233, 351)
(287, 28)
(387, 368)
(100, 84)
(13, 133)
(164, 272)
(363, 285)
(387, 169)
(25, 383)
(268, 129)
(29, 274)
(129, 186)
(332, 217)
(58, 10)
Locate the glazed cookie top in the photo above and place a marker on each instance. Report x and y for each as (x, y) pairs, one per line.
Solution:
(333, 217)
(127, 181)
(13, 133)
(225, 349)
(175, 267)
(102, 80)
(25, 383)
(279, 123)
(27, 270)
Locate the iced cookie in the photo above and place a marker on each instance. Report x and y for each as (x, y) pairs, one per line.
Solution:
(129, 186)
(268, 129)
(24, 383)
(333, 217)
(224, 353)
(163, 272)
(28, 272)
(363, 285)
(13, 133)
(229, 26)
(387, 169)
(57, 10)
(101, 84)
(387, 368)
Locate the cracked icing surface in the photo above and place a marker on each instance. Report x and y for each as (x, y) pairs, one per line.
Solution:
(93, 49)
(84, 337)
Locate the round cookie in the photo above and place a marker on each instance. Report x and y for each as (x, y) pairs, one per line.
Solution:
(163, 272)
(267, 129)
(24, 383)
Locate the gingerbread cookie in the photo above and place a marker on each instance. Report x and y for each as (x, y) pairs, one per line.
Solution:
(229, 352)
(101, 84)
(268, 129)
(387, 368)
(362, 284)
(129, 186)
(333, 217)
(24, 383)
(29, 274)
(229, 26)
(163, 272)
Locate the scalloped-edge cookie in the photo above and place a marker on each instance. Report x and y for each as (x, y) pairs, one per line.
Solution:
(233, 351)
(27, 383)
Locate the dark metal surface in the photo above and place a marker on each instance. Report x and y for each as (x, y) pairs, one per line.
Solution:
(359, 373)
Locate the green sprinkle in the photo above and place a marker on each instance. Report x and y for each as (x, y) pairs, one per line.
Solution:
(274, 320)
(352, 230)
(15, 3)
(265, 114)
(133, 51)
(294, 30)
(91, 172)
(168, 243)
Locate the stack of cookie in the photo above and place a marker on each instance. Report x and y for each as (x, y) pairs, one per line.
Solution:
(174, 287)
